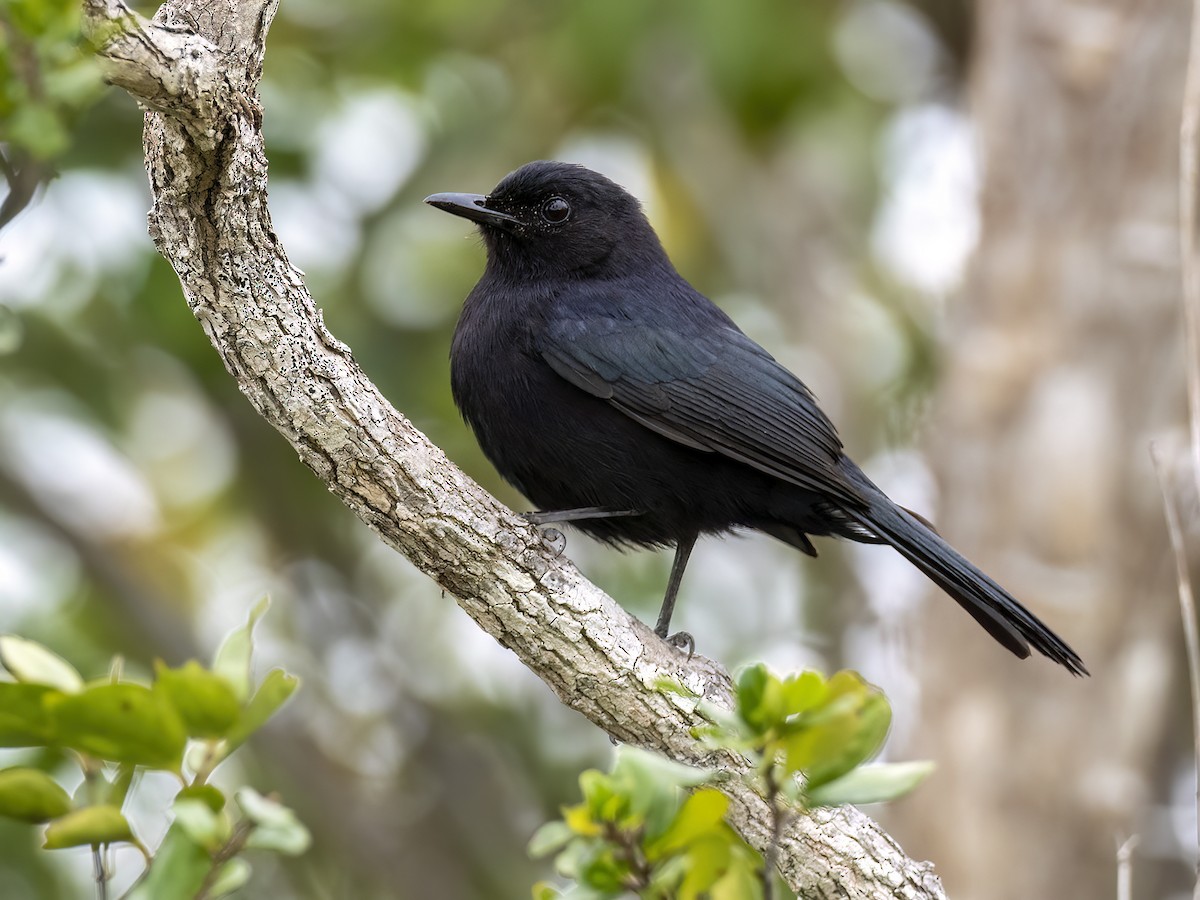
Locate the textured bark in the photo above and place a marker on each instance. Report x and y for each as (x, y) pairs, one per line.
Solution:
(1064, 362)
(196, 67)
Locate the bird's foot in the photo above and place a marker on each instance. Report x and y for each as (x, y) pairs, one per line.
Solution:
(681, 640)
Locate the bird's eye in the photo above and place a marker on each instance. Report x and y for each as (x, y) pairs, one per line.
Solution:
(555, 210)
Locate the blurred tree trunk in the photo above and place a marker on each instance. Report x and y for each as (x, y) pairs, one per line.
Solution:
(1063, 362)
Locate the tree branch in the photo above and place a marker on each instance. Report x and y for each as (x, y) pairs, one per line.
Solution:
(196, 67)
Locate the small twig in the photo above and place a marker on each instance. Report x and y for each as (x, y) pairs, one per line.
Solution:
(1191, 634)
(629, 849)
(1125, 867)
(770, 857)
(779, 817)
(230, 849)
(100, 872)
(1189, 199)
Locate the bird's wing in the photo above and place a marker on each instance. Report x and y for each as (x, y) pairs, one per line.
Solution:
(707, 386)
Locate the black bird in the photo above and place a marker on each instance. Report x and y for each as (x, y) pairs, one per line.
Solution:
(615, 396)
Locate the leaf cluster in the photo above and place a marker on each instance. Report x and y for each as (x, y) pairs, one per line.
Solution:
(809, 737)
(638, 830)
(187, 721)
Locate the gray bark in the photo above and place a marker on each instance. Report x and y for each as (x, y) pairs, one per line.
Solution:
(196, 69)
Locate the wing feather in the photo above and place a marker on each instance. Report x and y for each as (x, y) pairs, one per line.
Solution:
(706, 385)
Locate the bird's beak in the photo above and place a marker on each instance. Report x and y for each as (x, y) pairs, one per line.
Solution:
(470, 206)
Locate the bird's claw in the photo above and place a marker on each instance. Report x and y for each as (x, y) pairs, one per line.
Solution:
(553, 540)
(681, 640)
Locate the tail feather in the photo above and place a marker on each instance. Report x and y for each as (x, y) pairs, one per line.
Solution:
(1004, 618)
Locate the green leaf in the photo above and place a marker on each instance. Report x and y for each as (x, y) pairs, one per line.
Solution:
(203, 826)
(604, 873)
(121, 722)
(707, 862)
(650, 789)
(550, 838)
(759, 696)
(232, 660)
(24, 714)
(866, 733)
(602, 801)
(701, 814)
(31, 663)
(804, 692)
(847, 683)
(844, 731)
(232, 876)
(666, 876)
(30, 795)
(277, 827)
(651, 786)
(204, 700)
(741, 880)
(205, 793)
(90, 825)
(579, 819)
(177, 872)
(871, 784)
(275, 690)
(574, 857)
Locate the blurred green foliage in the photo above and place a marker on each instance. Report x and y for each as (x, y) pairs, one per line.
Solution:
(46, 76)
(117, 729)
(144, 505)
(47, 79)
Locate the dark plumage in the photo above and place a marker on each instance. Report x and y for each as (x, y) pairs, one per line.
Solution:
(615, 396)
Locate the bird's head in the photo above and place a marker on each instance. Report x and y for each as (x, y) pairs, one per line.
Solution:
(558, 219)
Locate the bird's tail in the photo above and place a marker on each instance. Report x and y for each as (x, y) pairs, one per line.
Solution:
(990, 605)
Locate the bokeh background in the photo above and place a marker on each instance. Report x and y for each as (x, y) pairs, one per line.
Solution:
(955, 220)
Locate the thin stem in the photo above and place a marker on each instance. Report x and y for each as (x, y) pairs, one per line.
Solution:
(1191, 634)
(629, 849)
(230, 849)
(779, 816)
(1189, 198)
(100, 872)
(1125, 868)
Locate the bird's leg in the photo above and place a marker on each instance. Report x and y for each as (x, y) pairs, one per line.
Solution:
(683, 549)
(554, 539)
